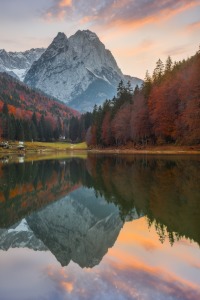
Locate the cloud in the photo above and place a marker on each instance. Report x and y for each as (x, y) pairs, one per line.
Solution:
(143, 46)
(118, 12)
(177, 50)
(193, 26)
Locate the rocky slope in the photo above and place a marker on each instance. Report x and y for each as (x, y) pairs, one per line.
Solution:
(18, 63)
(77, 70)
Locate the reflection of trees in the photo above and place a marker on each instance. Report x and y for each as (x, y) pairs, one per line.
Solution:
(165, 190)
(27, 187)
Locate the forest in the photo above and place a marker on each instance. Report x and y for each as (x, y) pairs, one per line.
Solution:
(27, 114)
(164, 110)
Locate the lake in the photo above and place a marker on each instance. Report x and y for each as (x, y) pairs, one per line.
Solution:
(105, 227)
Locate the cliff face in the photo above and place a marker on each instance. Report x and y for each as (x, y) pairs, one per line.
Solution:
(77, 70)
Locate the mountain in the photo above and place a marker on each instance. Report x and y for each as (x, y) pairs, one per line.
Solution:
(78, 70)
(18, 63)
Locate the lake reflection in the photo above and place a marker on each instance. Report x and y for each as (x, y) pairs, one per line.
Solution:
(107, 227)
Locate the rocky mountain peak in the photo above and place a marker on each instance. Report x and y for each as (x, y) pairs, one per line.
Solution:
(2, 51)
(60, 39)
(78, 70)
(87, 34)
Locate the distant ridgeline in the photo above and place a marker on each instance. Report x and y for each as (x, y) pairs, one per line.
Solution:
(163, 190)
(27, 114)
(166, 109)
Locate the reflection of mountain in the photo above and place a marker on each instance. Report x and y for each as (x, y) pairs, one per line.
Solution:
(80, 224)
(20, 236)
(79, 227)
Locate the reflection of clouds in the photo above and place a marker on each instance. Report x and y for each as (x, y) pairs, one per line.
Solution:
(154, 282)
(118, 281)
(65, 3)
(68, 286)
(123, 274)
(21, 277)
(148, 244)
(128, 271)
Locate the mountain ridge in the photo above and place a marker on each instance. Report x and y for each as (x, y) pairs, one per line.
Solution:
(17, 64)
(77, 70)
(77, 67)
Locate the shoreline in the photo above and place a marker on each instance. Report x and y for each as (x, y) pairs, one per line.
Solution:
(154, 150)
(40, 148)
(147, 152)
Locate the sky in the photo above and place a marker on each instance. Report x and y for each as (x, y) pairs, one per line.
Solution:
(137, 32)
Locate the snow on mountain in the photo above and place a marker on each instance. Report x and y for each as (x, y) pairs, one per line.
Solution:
(18, 63)
(78, 70)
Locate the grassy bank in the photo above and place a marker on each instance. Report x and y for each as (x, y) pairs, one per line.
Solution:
(41, 150)
(60, 148)
(41, 147)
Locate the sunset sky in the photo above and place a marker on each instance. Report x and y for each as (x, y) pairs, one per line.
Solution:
(137, 32)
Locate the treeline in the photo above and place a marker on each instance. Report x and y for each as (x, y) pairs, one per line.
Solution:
(27, 130)
(38, 128)
(27, 114)
(165, 109)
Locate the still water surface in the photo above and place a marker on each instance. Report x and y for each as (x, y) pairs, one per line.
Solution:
(105, 227)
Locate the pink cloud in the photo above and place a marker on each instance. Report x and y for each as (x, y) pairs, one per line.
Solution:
(120, 12)
(193, 26)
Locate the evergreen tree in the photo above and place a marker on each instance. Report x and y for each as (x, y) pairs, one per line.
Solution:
(168, 65)
(120, 89)
(19, 131)
(147, 85)
(41, 128)
(136, 90)
(12, 128)
(34, 119)
(5, 109)
(158, 72)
